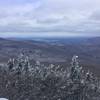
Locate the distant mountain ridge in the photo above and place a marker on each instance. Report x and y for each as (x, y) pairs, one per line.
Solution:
(68, 40)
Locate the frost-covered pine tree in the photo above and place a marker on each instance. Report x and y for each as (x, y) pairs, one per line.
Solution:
(10, 64)
(83, 85)
(25, 80)
(76, 70)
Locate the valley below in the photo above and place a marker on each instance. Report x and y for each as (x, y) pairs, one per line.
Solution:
(54, 50)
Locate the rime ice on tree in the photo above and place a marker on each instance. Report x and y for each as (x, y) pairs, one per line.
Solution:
(25, 80)
(76, 70)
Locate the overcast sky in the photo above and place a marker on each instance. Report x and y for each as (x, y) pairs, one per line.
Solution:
(49, 18)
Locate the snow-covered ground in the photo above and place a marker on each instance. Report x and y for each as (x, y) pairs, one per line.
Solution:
(3, 99)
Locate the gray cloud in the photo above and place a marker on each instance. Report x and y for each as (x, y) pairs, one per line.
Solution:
(50, 17)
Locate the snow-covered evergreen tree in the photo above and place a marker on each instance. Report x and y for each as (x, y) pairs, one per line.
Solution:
(25, 80)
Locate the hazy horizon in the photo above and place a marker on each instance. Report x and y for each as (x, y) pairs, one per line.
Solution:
(45, 35)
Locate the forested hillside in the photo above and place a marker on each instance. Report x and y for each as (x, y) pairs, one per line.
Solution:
(20, 79)
(54, 50)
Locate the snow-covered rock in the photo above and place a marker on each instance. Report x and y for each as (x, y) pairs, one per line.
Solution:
(3, 99)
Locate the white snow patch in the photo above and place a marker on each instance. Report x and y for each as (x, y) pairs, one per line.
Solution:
(3, 99)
